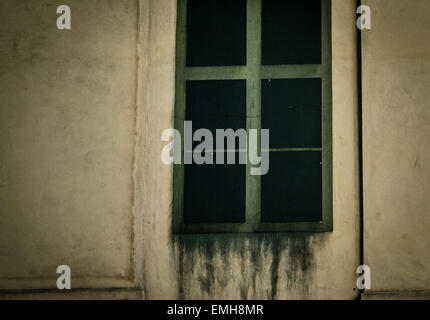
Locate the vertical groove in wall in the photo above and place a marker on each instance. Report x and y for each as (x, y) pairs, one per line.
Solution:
(133, 260)
(360, 140)
(144, 38)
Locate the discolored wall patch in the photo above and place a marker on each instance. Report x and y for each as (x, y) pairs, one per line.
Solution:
(244, 266)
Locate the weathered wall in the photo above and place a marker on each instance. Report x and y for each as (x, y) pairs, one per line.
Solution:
(81, 118)
(396, 136)
(280, 266)
(67, 144)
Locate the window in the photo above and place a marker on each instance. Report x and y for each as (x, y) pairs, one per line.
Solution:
(256, 64)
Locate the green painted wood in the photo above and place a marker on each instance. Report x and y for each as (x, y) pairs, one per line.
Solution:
(215, 73)
(327, 154)
(253, 106)
(292, 71)
(178, 169)
(253, 72)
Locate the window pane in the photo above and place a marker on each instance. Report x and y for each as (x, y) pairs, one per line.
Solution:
(291, 32)
(216, 32)
(215, 193)
(291, 109)
(216, 104)
(292, 189)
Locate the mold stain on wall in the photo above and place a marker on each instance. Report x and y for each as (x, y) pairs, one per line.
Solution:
(244, 266)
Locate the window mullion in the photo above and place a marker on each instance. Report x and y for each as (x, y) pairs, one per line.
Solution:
(180, 98)
(327, 152)
(253, 107)
(292, 71)
(215, 73)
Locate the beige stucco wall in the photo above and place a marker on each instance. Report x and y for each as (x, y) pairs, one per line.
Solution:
(250, 266)
(81, 117)
(396, 139)
(67, 144)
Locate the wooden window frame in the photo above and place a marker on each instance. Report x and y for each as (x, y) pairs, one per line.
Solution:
(253, 72)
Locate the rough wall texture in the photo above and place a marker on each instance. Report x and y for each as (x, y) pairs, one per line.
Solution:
(67, 119)
(80, 155)
(396, 81)
(277, 266)
(80, 123)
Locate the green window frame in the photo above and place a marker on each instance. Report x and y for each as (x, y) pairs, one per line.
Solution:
(254, 72)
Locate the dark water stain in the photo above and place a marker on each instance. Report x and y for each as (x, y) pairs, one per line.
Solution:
(276, 246)
(208, 258)
(243, 292)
